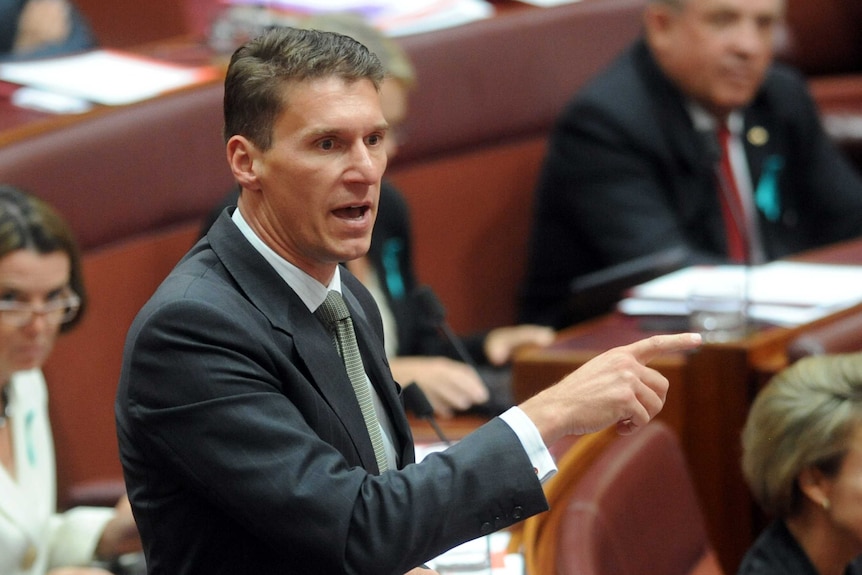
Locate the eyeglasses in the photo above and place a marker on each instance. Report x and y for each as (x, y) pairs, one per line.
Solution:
(55, 312)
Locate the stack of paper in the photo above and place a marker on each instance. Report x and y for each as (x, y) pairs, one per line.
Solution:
(393, 17)
(548, 3)
(781, 293)
(104, 76)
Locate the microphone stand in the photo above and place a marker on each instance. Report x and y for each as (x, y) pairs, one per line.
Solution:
(416, 401)
(430, 304)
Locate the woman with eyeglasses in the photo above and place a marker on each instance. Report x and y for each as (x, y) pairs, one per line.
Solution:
(41, 295)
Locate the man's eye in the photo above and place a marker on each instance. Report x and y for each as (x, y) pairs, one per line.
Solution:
(375, 140)
(327, 144)
(8, 296)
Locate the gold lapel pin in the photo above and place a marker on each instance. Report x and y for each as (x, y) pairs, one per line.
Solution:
(757, 136)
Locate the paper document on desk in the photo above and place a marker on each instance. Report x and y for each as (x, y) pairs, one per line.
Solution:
(393, 17)
(548, 3)
(483, 556)
(781, 293)
(105, 76)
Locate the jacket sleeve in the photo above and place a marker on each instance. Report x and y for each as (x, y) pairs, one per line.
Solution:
(75, 534)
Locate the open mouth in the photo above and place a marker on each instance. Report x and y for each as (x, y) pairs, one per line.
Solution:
(352, 212)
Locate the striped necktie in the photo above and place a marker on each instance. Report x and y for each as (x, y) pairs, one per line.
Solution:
(731, 203)
(334, 314)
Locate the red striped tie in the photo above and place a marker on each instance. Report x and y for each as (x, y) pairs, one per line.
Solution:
(731, 203)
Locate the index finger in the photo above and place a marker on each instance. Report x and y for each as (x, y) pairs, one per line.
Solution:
(645, 350)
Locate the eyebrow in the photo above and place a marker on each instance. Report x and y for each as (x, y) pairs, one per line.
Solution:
(20, 290)
(382, 127)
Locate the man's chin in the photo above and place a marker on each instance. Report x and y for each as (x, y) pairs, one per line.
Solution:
(738, 96)
(354, 250)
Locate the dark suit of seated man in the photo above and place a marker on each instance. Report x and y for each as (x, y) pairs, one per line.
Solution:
(246, 443)
(633, 162)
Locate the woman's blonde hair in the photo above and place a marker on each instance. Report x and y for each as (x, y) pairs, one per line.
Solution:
(803, 418)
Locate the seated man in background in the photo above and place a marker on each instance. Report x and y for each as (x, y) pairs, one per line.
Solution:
(635, 163)
(417, 351)
(39, 28)
(802, 459)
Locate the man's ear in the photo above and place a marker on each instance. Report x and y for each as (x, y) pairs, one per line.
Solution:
(241, 156)
(816, 486)
(657, 20)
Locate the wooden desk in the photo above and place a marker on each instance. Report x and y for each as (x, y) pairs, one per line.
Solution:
(454, 429)
(710, 392)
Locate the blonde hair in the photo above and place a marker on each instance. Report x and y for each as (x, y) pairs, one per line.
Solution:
(392, 56)
(803, 418)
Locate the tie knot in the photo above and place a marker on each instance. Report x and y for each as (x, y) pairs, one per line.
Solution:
(723, 133)
(333, 309)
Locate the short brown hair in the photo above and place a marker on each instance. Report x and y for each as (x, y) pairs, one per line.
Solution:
(260, 69)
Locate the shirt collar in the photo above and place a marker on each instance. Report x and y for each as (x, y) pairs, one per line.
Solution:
(703, 121)
(310, 291)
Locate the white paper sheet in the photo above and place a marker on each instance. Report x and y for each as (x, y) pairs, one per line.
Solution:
(548, 3)
(393, 17)
(104, 76)
(784, 293)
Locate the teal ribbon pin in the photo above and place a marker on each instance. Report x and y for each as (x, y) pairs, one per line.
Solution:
(766, 196)
(392, 268)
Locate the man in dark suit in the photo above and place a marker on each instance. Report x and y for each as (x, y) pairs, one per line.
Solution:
(243, 443)
(633, 162)
(415, 347)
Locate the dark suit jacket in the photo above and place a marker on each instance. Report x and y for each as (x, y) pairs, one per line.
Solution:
(627, 175)
(391, 255)
(244, 450)
(776, 552)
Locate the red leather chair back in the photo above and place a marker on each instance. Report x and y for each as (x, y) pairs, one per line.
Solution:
(844, 335)
(635, 512)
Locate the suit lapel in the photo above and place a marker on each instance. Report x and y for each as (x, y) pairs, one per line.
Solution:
(287, 313)
(329, 377)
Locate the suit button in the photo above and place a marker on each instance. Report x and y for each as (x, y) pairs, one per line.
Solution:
(518, 512)
(486, 528)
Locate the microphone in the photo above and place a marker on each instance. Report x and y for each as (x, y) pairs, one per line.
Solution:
(416, 401)
(434, 313)
(430, 304)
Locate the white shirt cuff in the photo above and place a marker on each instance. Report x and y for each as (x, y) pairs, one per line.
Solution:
(531, 440)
